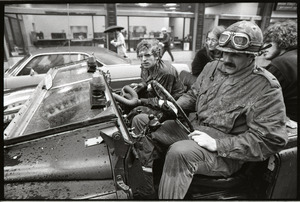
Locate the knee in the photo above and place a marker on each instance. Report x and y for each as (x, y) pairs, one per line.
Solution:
(140, 118)
(140, 121)
(180, 149)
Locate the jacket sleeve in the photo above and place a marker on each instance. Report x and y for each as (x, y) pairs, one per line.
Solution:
(166, 39)
(188, 100)
(167, 81)
(266, 134)
(120, 41)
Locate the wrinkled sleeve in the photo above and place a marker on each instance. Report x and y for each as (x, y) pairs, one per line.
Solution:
(167, 81)
(188, 100)
(266, 134)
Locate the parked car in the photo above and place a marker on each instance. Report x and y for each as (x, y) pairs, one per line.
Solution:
(41, 60)
(59, 147)
(26, 74)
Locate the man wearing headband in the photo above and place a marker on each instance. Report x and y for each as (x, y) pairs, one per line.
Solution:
(239, 116)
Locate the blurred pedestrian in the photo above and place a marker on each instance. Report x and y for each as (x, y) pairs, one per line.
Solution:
(283, 55)
(119, 42)
(167, 43)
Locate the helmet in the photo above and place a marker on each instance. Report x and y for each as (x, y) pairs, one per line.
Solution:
(241, 37)
(163, 29)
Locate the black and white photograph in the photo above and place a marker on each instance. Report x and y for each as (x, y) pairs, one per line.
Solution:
(150, 101)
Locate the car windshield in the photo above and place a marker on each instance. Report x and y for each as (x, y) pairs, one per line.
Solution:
(10, 70)
(64, 106)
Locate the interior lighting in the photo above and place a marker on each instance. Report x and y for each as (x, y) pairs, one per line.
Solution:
(172, 8)
(171, 4)
(143, 4)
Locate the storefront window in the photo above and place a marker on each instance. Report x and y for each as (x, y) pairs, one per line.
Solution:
(99, 27)
(14, 32)
(139, 28)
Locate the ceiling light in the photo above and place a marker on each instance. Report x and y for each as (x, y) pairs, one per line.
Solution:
(171, 4)
(143, 4)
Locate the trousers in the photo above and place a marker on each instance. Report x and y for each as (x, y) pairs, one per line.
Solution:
(168, 49)
(184, 158)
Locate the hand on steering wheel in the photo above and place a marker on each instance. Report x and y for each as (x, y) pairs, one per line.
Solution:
(163, 94)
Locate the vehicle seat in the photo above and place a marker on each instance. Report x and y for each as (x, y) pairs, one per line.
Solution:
(202, 185)
(219, 182)
(187, 79)
(219, 187)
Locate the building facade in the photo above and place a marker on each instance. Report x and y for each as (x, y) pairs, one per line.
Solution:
(31, 26)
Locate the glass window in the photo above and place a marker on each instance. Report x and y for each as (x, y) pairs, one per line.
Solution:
(42, 64)
(14, 33)
(99, 27)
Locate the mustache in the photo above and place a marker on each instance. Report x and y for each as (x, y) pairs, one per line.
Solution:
(229, 64)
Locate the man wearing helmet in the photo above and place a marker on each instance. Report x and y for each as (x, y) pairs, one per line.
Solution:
(240, 116)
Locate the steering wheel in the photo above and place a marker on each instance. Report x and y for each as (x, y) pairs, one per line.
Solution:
(162, 93)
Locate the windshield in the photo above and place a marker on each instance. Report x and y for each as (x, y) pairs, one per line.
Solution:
(11, 69)
(65, 103)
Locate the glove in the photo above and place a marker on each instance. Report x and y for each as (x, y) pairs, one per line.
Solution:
(170, 111)
(150, 102)
(149, 88)
(138, 86)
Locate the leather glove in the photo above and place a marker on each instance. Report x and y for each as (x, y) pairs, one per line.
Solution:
(138, 86)
(168, 108)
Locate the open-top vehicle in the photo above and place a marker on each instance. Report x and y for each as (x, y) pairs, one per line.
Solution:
(61, 147)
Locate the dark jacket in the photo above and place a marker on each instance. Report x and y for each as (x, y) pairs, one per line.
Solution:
(202, 58)
(284, 68)
(166, 75)
(166, 40)
(246, 108)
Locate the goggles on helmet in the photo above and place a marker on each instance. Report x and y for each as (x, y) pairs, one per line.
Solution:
(239, 41)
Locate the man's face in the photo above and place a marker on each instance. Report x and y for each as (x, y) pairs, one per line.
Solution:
(147, 59)
(234, 62)
(271, 52)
